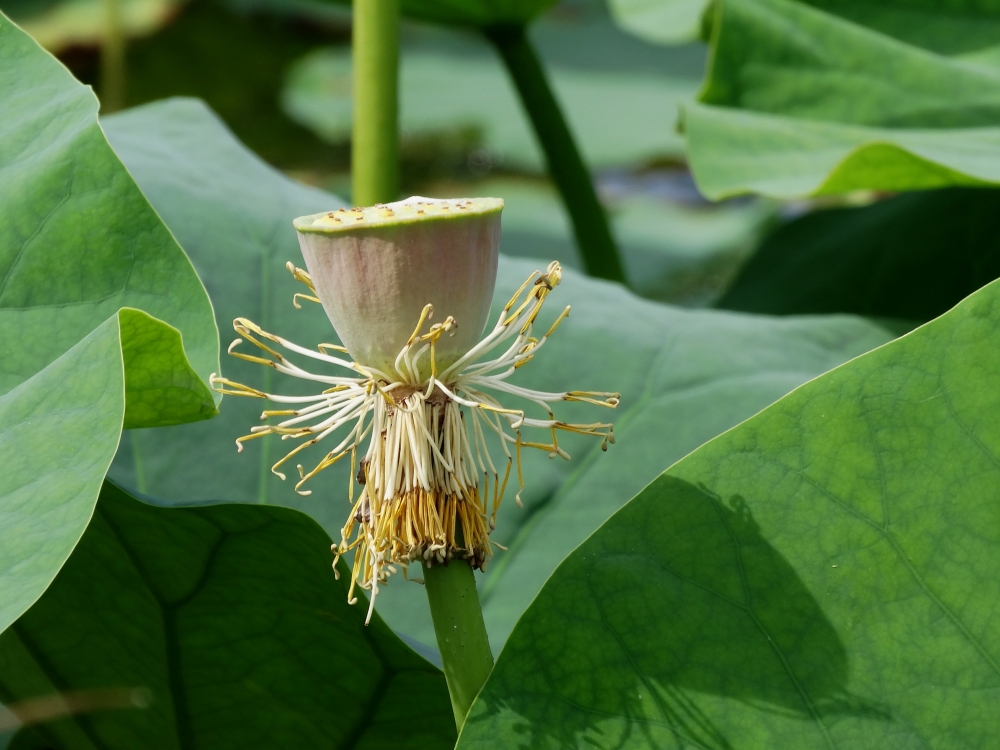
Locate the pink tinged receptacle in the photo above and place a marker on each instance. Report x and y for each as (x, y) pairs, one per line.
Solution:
(375, 269)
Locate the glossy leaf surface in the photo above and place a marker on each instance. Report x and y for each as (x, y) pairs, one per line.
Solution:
(820, 576)
(220, 627)
(80, 240)
(799, 101)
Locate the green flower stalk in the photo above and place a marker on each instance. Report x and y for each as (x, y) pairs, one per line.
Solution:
(416, 402)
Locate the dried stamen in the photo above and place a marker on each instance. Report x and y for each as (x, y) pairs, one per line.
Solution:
(430, 488)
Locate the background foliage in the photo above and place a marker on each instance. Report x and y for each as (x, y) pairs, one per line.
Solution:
(817, 573)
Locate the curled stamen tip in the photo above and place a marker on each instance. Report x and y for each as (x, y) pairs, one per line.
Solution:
(236, 342)
(352, 601)
(239, 447)
(304, 493)
(278, 474)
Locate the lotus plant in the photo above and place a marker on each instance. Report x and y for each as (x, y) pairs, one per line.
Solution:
(428, 394)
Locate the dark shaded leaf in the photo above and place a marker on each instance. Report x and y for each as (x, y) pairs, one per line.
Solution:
(226, 627)
(912, 256)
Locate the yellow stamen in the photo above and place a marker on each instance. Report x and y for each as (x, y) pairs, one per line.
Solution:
(427, 476)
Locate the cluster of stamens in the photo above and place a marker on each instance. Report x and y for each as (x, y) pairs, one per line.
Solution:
(430, 489)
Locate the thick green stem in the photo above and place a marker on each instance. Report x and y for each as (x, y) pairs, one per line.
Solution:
(461, 632)
(113, 58)
(375, 138)
(590, 222)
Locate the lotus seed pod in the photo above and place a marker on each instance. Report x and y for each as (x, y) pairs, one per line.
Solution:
(414, 410)
(375, 269)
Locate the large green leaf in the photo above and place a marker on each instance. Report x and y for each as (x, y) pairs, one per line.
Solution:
(912, 256)
(80, 241)
(799, 101)
(229, 619)
(85, 265)
(442, 93)
(58, 434)
(822, 575)
(685, 375)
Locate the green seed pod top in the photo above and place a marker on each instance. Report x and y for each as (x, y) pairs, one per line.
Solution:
(376, 268)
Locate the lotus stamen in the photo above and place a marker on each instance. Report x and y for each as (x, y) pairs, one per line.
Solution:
(430, 488)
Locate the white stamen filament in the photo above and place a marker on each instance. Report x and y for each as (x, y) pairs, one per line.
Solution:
(421, 498)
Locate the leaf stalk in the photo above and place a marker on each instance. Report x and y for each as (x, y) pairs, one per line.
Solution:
(460, 631)
(566, 166)
(113, 58)
(375, 136)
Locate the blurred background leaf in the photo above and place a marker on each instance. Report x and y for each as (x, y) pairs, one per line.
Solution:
(798, 101)
(911, 256)
(622, 95)
(59, 25)
(660, 21)
(442, 93)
